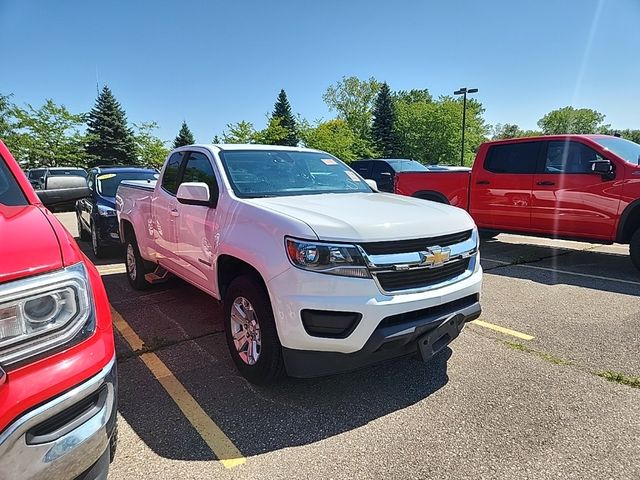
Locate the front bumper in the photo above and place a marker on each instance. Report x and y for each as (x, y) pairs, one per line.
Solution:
(370, 341)
(108, 231)
(66, 437)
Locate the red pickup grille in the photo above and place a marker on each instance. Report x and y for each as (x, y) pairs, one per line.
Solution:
(414, 245)
(421, 277)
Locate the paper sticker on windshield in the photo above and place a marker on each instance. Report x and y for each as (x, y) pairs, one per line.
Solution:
(329, 161)
(352, 175)
(106, 176)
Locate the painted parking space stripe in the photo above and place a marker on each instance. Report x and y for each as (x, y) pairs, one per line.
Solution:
(111, 269)
(214, 437)
(506, 331)
(563, 272)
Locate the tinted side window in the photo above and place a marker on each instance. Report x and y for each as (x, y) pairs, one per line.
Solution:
(10, 192)
(199, 169)
(382, 173)
(363, 168)
(513, 158)
(381, 167)
(170, 175)
(569, 157)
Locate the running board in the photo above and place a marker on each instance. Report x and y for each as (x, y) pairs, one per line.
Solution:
(159, 275)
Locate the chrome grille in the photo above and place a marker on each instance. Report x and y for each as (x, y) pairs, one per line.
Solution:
(421, 277)
(414, 245)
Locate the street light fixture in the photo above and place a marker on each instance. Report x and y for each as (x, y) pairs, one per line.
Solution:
(464, 91)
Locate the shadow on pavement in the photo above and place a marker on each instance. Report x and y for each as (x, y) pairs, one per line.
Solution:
(584, 266)
(264, 419)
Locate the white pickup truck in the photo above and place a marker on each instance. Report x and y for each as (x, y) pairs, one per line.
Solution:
(318, 272)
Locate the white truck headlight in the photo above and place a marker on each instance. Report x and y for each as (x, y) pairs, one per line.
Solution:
(106, 211)
(330, 258)
(41, 313)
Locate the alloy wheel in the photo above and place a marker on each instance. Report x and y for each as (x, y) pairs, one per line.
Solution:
(245, 330)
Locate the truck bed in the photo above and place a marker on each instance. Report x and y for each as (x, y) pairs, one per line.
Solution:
(449, 185)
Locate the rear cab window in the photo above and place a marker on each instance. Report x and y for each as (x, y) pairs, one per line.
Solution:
(513, 158)
(10, 192)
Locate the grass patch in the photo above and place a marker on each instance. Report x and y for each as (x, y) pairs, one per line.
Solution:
(619, 377)
(517, 346)
(553, 359)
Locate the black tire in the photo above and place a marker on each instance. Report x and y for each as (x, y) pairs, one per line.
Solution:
(82, 233)
(135, 265)
(269, 365)
(99, 250)
(634, 249)
(113, 443)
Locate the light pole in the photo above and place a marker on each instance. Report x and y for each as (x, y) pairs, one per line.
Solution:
(464, 91)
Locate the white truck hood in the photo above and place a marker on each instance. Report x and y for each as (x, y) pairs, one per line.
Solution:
(369, 217)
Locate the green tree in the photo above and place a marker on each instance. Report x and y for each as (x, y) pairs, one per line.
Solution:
(274, 134)
(572, 120)
(240, 132)
(511, 130)
(353, 100)
(47, 136)
(151, 150)
(333, 136)
(383, 129)
(282, 113)
(110, 140)
(413, 96)
(184, 137)
(216, 139)
(430, 131)
(6, 118)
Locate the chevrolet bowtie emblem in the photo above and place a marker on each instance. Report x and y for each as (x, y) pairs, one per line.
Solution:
(435, 256)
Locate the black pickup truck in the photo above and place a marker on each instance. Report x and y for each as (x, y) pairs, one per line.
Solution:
(60, 187)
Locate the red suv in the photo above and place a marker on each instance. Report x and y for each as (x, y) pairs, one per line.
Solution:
(58, 384)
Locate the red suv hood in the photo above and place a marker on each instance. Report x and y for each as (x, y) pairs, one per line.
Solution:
(28, 244)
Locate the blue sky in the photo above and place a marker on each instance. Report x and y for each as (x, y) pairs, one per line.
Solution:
(215, 62)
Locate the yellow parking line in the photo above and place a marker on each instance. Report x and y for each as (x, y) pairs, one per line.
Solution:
(111, 269)
(214, 437)
(506, 331)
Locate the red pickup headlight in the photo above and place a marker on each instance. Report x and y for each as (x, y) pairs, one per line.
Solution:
(39, 314)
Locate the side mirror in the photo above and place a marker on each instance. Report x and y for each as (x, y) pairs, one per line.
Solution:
(602, 167)
(372, 183)
(194, 193)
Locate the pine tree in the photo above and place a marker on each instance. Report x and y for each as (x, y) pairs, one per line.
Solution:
(383, 130)
(110, 140)
(185, 137)
(282, 111)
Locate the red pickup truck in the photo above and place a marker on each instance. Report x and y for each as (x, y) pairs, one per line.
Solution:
(58, 383)
(584, 187)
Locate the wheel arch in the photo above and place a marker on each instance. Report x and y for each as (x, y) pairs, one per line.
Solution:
(230, 267)
(431, 195)
(629, 222)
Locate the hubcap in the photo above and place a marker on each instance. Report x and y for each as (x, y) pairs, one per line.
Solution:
(245, 330)
(131, 262)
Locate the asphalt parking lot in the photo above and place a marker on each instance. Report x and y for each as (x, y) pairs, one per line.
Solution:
(535, 390)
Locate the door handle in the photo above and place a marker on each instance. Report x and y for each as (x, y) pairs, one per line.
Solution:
(546, 183)
(483, 182)
(173, 211)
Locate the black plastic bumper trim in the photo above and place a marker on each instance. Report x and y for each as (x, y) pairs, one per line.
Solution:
(386, 342)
